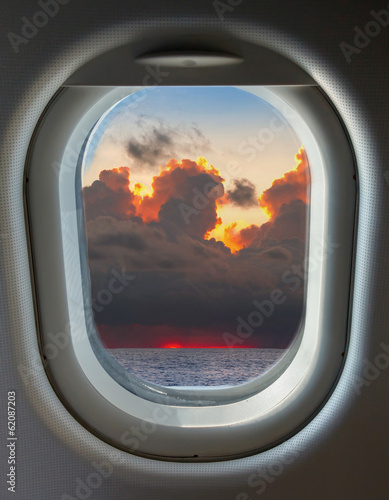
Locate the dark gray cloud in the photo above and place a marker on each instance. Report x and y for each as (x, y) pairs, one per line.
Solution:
(187, 281)
(291, 222)
(243, 194)
(110, 195)
(155, 142)
(192, 212)
(156, 145)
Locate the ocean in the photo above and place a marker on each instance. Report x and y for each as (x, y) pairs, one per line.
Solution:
(197, 367)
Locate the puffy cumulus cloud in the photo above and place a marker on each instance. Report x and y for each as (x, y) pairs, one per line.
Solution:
(184, 281)
(173, 183)
(236, 238)
(285, 202)
(184, 196)
(117, 179)
(191, 211)
(243, 194)
(110, 195)
(290, 187)
(290, 222)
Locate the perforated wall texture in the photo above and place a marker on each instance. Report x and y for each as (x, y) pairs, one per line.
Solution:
(343, 451)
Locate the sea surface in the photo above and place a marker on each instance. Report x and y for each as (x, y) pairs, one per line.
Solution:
(197, 367)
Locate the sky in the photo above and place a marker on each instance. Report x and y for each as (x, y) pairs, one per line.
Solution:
(200, 194)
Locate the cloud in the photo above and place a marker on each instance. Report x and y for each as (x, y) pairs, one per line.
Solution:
(290, 222)
(151, 149)
(190, 210)
(177, 181)
(184, 281)
(285, 202)
(290, 187)
(189, 283)
(155, 142)
(243, 194)
(110, 195)
(236, 238)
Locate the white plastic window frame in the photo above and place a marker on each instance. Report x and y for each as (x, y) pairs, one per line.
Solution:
(178, 432)
(183, 396)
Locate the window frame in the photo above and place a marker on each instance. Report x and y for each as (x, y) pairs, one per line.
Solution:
(183, 396)
(212, 432)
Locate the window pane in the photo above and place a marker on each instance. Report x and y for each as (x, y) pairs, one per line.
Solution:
(196, 214)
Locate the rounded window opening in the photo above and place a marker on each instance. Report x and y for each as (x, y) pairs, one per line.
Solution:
(274, 229)
(195, 205)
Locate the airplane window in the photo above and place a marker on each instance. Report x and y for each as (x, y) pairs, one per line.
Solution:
(195, 205)
(191, 250)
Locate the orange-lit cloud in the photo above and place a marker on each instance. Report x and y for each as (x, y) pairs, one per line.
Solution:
(195, 273)
(234, 236)
(183, 196)
(110, 195)
(116, 179)
(170, 183)
(284, 202)
(291, 186)
(187, 194)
